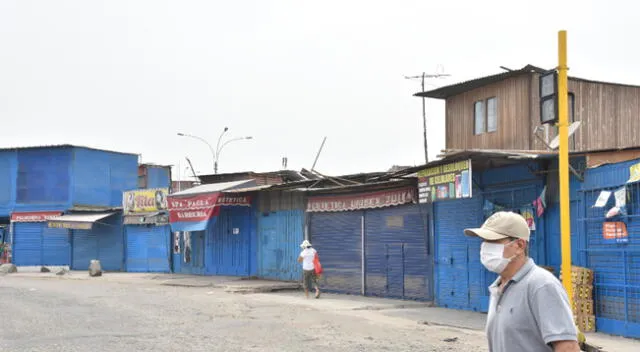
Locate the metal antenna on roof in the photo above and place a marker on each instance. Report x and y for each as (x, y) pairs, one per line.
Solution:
(440, 73)
(193, 171)
(318, 155)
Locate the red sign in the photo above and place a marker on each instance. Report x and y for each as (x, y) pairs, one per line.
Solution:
(192, 209)
(202, 207)
(34, 216)
(615, 231)
(362, 200)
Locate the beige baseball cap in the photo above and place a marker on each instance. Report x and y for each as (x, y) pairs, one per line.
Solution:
(501, 225)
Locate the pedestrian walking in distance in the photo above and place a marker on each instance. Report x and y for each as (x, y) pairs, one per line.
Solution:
(308, 259)
(529, 309)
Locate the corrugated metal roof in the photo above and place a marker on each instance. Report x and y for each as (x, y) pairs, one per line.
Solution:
(454, 89)
(216, 187)
(61, 146)
(249, 189)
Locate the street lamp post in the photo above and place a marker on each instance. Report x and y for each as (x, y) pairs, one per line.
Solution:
(213, 153)
(223, 145)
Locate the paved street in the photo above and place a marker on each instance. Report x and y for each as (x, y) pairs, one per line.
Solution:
(98, 315)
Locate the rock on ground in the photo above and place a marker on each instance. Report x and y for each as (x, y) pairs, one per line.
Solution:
(95, 269)
(8, 269)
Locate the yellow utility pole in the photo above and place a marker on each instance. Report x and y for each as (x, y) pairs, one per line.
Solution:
(563, 124)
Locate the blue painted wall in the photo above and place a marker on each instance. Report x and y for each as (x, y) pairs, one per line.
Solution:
(35, 179)
(279, 236)
(8, 173)
(158, 177)
(99, 178)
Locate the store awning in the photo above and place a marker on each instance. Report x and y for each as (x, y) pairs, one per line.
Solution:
(78, 221)
(153, 218)
(196, 209)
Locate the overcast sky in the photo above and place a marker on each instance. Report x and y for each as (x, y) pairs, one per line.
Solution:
(129, 75)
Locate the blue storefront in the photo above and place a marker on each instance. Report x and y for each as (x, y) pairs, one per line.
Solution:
(93, 236)
(512, 185)
(373, 240)
(214, 230)
(38, 181)
(147, 230)
(281, 223)
(614, 257)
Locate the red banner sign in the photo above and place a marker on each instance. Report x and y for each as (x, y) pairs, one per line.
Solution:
(362, 201)
(192, 209)
(202, 207)
(34, 216)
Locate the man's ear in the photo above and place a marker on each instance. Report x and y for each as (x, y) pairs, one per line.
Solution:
(523, 245)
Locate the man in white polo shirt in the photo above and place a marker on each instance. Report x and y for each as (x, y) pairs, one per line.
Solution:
(529, 309)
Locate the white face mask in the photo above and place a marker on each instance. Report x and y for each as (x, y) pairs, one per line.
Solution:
(492, 256)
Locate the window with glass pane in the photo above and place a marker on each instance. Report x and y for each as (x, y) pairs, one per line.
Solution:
(479, 124)
(492, 115)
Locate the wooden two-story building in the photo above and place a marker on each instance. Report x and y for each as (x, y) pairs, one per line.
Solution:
(502, 111)
(497, 118)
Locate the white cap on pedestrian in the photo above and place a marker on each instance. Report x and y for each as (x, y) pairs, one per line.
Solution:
(305, 244)
(502, 224)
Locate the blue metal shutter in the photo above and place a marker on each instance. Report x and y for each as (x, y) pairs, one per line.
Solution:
(397, 263)
(137, 248)
(110, 245)
(230, 251)
(158, 249)
(85, 248)
(458, 255)
(27, 243)
(56, 246)
(338, 239)
(279, 236)
(616, 266)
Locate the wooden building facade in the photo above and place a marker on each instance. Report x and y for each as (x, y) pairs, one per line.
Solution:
(503, 112)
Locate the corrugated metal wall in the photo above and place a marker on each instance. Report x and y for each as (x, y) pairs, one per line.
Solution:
(99, 178)
(229, 242)
(158, 177)
(8, 172)
(616, 264)
(280, 234)
(43, 176)
(281, 221)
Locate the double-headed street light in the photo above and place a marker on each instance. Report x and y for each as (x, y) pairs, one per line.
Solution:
(215, 154)
(215, 166)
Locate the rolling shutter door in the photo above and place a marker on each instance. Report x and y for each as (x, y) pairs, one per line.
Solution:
(158, 249)
(27, 247)
(56, 246)
(338, 239)
(85, 249)
(397, 262)
(137, 248)
(110, 246)
(455, 265)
